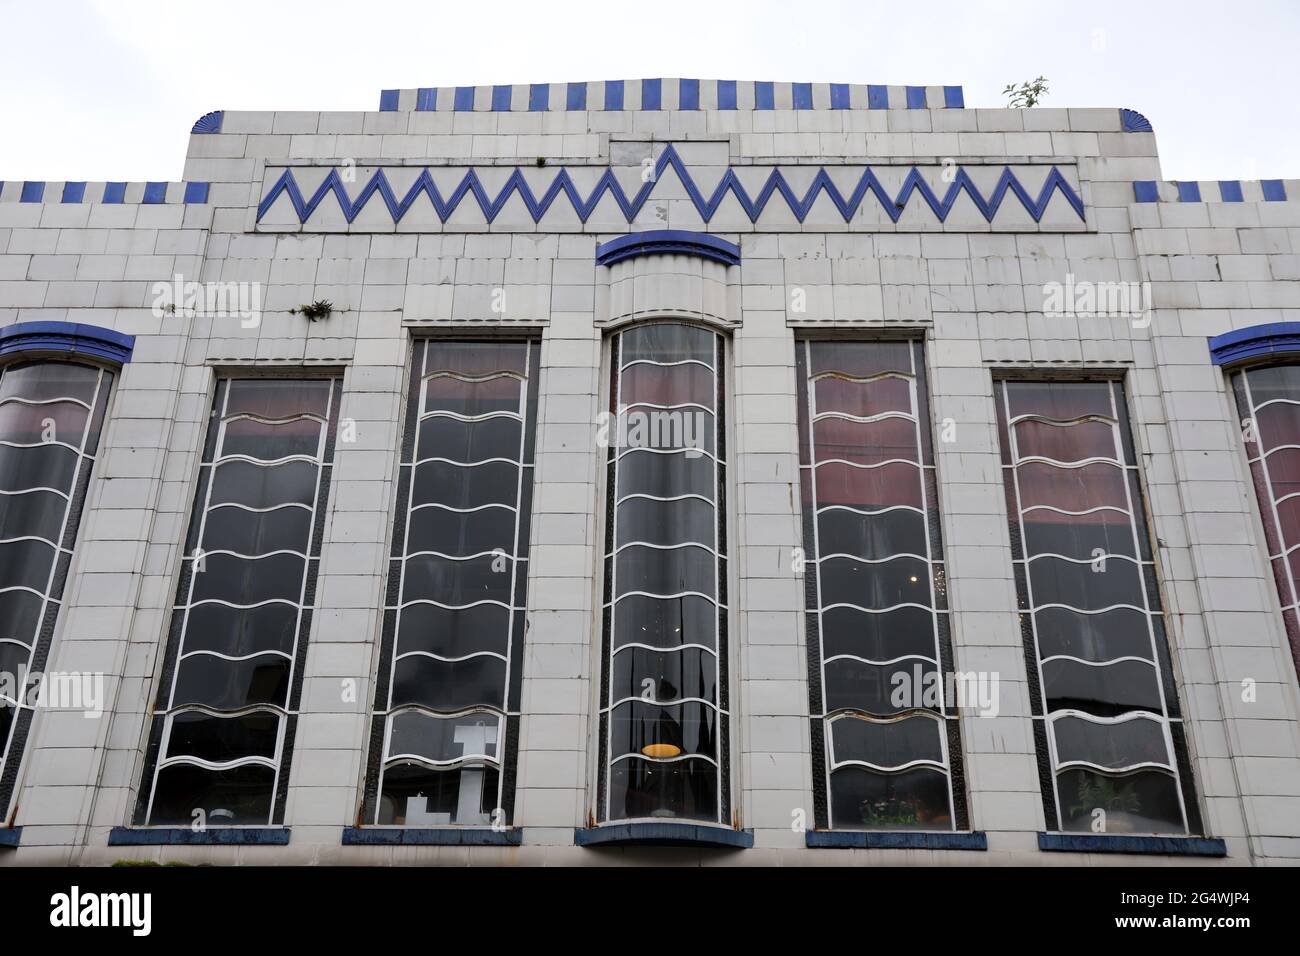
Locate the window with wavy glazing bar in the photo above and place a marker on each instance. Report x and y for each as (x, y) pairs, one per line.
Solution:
(446, 728)
(51, 414)
(885, 739)
(1268, 404)
(224, 724)
(1111, 749)
(664, 734)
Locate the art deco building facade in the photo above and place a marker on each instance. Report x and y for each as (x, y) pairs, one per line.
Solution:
(701, 471)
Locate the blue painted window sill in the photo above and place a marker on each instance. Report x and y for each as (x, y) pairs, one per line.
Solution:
(1115, 843)
(213, 836)
(429, 836)
(894, 840)
(9, 837)
(663, 834)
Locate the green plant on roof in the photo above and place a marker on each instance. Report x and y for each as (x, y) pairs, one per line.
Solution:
(1026, 94)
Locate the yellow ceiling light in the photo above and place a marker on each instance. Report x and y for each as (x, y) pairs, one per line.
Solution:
(661, 751)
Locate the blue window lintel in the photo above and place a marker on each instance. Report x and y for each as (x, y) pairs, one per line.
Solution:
(678, 241)
(74, 338)
(1271, 338)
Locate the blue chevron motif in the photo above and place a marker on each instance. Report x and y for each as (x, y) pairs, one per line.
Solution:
(776, 184)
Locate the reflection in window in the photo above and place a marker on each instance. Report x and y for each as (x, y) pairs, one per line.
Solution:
(1268, 405)
(446, 726)
(663, 716)
(886, 747)
(51, 414)
(224, 724)
(1112, 753)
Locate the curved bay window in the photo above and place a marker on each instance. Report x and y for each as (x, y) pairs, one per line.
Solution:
(51, 415)
(1268, 405)
(224, 724)
(446, 725)
(885, 740)
(664, 734)
(1109, 734)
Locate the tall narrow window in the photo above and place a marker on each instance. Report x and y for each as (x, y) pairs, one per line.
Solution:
(1111, 749)
(663, 745)
(51, 414)
(1268, 404)
(224, 724)
(446, 725)
(885, 739)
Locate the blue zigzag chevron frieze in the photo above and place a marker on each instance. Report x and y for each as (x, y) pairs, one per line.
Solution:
(776, 185)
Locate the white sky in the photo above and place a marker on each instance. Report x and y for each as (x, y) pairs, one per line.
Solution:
(108, 89)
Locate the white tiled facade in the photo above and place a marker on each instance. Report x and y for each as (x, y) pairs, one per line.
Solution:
(972, 284)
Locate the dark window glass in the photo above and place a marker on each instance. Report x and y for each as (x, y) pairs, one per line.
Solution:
(223, 739)
(261, 486)
(1096, 638)
(664, 747)
(248, 581)
(668, 385)
(241, 631)
(1268, 404)
(864, 490)
(685, 788)
(1144, 802)
(445, 686)
(444, 740)
(886, 745)
(665, 522)
(206, 680)
(231, 796)
(51, 414)
(916, 799)
(453, 633)
(877, 624)
(271, 441)
(460, 487)
(448, 690)
(226, 705)
(665, 622)
(1115, 746)
(471, 442)
(1094, 641)
(280, 400)
(49, 465)
(254, 533)
(862, 399)
(416, 795)
(886, 636)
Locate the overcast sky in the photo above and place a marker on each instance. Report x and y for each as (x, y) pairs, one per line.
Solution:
(108, 89)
